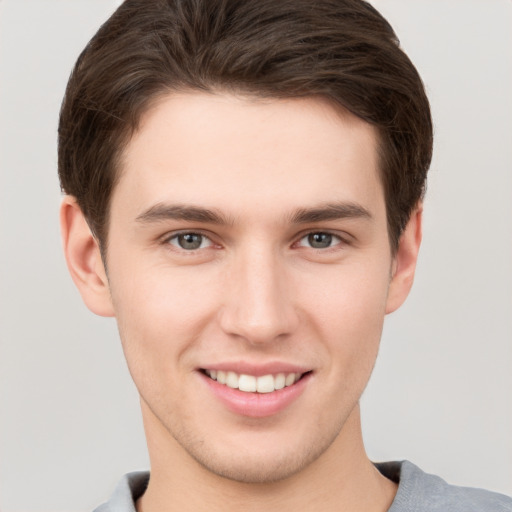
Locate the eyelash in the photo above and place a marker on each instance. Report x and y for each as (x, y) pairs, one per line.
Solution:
(204, 237)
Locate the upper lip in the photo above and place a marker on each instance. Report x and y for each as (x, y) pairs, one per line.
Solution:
(257, 369)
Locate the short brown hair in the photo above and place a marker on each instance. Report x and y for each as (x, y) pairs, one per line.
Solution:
(343, 50)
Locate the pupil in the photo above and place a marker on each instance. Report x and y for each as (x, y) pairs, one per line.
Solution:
(190, 241)
(320, 240)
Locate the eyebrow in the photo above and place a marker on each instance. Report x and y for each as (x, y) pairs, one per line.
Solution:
(161, 212)
(330, 211)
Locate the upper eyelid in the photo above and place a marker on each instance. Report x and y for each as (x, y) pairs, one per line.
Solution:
(173, 234)
(343, 236)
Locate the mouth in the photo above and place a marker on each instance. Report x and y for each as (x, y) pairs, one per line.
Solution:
(257, 392)
(254, 384)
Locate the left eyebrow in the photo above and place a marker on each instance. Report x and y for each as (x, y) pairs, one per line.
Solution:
(330, 211)
(161, 212)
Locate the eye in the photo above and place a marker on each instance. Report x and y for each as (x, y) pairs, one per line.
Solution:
(319, 240)
(190, 241)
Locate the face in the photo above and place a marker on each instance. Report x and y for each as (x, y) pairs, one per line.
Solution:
(249, 270)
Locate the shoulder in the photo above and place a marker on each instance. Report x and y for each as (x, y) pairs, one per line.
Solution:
(128, 490)
(421, 492)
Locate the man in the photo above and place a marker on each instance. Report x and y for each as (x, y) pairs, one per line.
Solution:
(244, 189)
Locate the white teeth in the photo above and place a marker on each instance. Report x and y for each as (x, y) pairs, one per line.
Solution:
(265, 384)
(251, 384)
(290, 379)
(279, 381)
(247, 383)
(232, 380)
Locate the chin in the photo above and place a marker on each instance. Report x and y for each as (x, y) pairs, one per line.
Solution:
(261, 463)
(256, 470)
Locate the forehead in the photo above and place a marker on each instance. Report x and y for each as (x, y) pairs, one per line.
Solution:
(236, 153)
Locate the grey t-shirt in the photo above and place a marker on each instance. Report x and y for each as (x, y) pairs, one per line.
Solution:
(417, 492)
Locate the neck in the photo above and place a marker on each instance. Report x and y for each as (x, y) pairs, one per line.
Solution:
(342, 478)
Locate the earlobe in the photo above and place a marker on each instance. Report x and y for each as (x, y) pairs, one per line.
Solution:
(83, 258)
(404, 264)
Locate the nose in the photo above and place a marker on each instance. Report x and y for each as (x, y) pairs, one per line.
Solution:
(258, 301)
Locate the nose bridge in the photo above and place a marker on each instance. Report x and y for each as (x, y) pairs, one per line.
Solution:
(259, 304)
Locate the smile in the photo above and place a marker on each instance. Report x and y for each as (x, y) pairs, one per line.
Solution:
(253, 384)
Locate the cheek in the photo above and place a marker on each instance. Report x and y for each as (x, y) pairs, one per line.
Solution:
(160, 316)
(348, 313)
(348, 294)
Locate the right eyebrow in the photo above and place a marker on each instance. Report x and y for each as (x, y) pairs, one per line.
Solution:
(331, 211)
(161, 212)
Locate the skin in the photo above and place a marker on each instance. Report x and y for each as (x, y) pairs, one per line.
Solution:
(255, 291)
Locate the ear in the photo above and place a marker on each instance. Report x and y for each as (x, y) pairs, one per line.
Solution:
(83, 258)
(404, 262)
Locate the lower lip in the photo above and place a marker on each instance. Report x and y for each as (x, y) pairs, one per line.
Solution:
(256, 405)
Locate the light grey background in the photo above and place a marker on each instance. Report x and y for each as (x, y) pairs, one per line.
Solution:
(441, 391)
